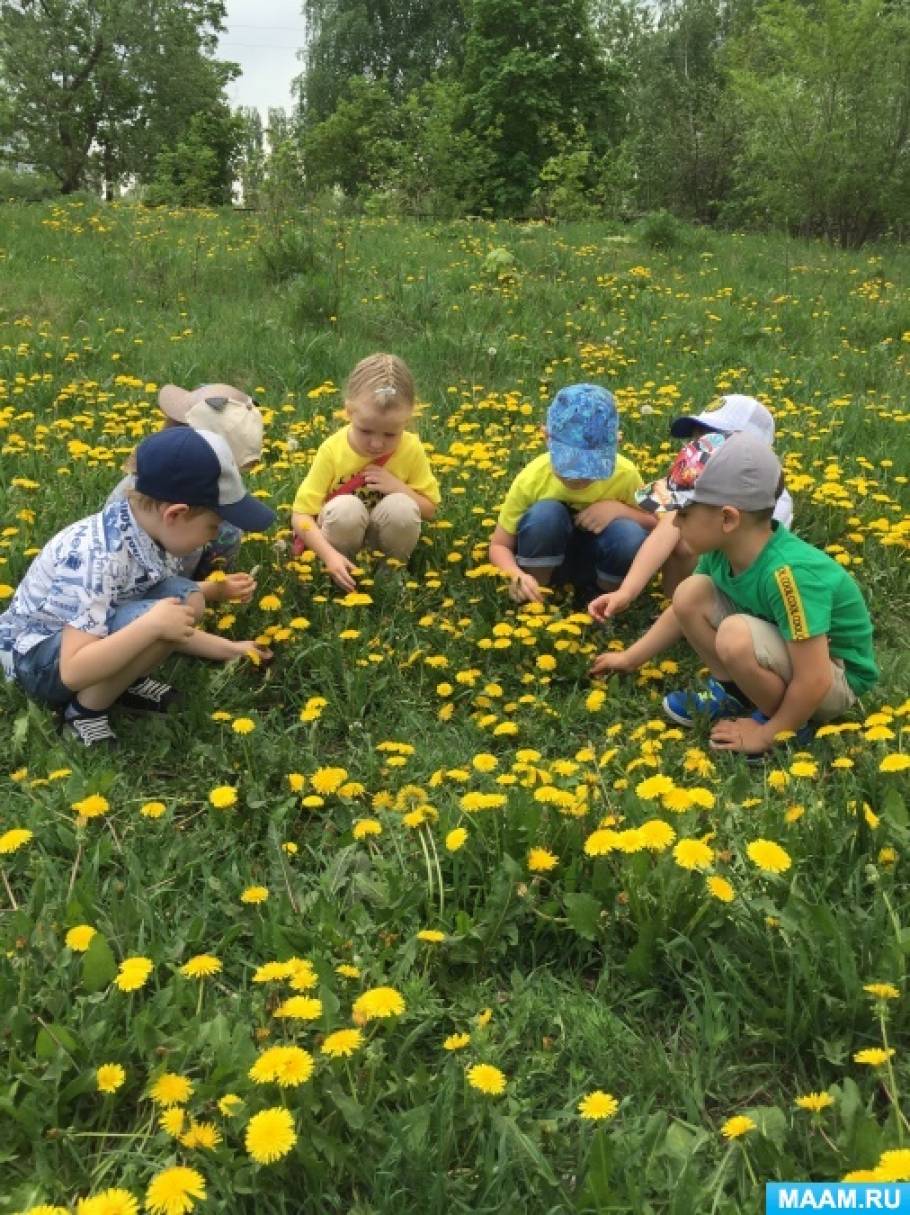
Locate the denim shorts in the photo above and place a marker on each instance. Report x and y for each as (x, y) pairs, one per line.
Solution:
(38, 670)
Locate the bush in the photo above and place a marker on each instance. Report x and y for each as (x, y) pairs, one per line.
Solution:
(663, 231)
(17, 186)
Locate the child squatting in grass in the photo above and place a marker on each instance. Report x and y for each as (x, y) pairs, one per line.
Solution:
(664, 549)
(370, 484)
(102, 605)
(570, 515)
(782, 628)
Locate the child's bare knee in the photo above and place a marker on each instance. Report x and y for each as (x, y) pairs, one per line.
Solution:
(733, 640)
(692, 595)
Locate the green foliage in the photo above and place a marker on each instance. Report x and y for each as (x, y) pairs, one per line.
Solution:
(91, 93)
(662, 231)
(825, 93)
(199, 171)
(532, 72)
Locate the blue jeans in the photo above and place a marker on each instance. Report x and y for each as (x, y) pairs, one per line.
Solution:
(38, 670)
(549, 539)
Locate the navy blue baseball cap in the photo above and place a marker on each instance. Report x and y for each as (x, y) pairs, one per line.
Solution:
(196, 467)
(582, 432)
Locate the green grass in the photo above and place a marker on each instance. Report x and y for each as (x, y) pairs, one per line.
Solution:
(617, 973)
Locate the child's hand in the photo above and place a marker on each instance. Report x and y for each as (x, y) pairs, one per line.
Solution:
(525, 588)
(610, 661)
(173, 620)
(611, 604)
(340, 569)
(252, 650)
(239, 587)
(597, 516)
(741, 734)
(382, 480)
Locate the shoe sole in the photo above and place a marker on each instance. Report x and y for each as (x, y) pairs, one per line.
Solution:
(687, 722)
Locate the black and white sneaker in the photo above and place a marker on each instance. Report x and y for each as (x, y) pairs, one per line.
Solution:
(148, 696)
(92, 730)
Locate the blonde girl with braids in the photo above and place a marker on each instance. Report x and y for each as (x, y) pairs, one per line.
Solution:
(370, 484)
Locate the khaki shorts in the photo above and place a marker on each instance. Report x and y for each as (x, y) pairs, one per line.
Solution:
(771, 653)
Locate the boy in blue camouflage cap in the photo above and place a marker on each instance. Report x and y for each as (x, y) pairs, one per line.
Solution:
(570, 515)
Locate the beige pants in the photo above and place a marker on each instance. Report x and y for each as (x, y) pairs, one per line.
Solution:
(392, 527)
(771, 653)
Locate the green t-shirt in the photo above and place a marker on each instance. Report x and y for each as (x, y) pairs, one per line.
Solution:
(806, 594)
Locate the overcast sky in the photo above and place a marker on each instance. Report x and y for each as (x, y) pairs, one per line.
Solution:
(263, 36)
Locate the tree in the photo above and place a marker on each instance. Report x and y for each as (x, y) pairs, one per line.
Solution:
(199, 170)
(534, 76)
(401, 42)
(94, 89)
(825, 91)
(251, 155)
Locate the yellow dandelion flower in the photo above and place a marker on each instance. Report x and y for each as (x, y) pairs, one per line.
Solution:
(347, 971)
(895, 763)
(174, 1191)
(654, 787)
(342, 1043)
(737, 1126)
(456, 839)
(873, 1056)
(92, 806)
(229, 1104)
(109, 1077)
(364, 827)
(300, 1008)
(768, 856)
(202, 966)
(719, 888)
(171, 1089)
(152, 809)
(804, 768)
(693, 854)
(328, 780)
(598, 1106)
(296, 781)
(287, 1066)
(79, 938)
(270, 1135)
(542, 861)
(656, 835)
(601, 842)
(882, 991)
(487, 1079)
(133, 973)
(432, 936)
(378, 1002)
(172, 1119)
(243, 725)
(456, 1041)
(222, 797)
(203, 1135)
(113, 1201)
(254, 895)
(894, 1165)
(14, 839)
(814, 1102)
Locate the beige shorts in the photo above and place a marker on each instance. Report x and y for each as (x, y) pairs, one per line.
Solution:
(771, 653)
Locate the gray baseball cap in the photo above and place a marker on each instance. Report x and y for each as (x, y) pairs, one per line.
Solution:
(744, 472)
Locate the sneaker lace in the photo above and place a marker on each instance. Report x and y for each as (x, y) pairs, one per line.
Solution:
(150, 689)
(91, 730)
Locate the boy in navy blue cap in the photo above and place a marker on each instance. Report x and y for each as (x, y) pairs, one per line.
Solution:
(101, 606)
(570, 515)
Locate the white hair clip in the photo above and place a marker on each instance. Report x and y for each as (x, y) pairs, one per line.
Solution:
(386, 391)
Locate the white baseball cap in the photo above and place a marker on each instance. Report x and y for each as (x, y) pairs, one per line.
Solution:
(731, 414)
(222, 410)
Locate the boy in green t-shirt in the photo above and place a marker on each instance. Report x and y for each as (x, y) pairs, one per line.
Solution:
(780, 625)
(570, 515)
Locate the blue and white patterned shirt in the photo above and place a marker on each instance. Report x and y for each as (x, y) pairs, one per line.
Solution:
(79, 577)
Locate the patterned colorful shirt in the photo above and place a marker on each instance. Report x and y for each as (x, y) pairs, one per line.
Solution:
(79, 577)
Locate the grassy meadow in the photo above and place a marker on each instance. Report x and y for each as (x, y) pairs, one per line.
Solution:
(402, 923)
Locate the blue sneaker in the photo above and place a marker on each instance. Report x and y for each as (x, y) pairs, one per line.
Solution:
(685, 708)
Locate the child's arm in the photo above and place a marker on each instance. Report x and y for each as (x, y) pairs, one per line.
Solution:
(86, 660)
(648, 560)
(599, 515)
(808, 687)
(664, 632)
(379, 478)
(524, 586)
(338, 566)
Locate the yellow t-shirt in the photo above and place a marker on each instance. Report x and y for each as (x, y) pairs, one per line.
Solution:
(537, 480)
(336, 462)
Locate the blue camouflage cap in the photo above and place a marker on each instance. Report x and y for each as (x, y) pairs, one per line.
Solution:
(582, 432)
